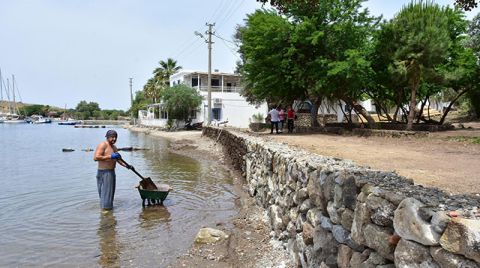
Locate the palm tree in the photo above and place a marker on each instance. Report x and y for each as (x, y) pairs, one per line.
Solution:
(162, 74)
(160, 80)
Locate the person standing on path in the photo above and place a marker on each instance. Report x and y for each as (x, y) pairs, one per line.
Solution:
(281, 117)
(274, 119)
(290, 119)
(107, 155)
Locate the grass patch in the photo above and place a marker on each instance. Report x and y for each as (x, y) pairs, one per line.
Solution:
(473, 140)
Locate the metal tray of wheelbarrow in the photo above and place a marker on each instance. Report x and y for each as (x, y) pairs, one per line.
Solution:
(156, 196)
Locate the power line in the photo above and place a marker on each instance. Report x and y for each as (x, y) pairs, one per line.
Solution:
(233, 43)
(229, 14)
(219, 7)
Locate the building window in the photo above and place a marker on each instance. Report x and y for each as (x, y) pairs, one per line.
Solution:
(217, 113)
(193, 114)
(194, 81)
(215, 82)
(163, 114)
(178, 82)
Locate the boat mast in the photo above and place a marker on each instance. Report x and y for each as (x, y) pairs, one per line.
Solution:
(13, 90)
(7, 89)
(1, 87)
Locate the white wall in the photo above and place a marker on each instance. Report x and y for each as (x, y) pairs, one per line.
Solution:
(234, 107)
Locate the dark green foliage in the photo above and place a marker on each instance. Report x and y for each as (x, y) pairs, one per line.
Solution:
(160, 80)
(29, 110)
(86, 110)
(140, 102)
(467, 4)
(316, 51)
(180, 100)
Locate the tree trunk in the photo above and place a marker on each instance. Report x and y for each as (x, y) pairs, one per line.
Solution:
(343, 111)
(314, 112)
(421, 109)
(360, 110)
(450, 106)
(413, 104)
(396, 114)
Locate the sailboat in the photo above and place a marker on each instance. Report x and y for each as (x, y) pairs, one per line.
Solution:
(12, 116)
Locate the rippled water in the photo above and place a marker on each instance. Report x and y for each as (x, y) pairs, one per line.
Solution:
(49, 211)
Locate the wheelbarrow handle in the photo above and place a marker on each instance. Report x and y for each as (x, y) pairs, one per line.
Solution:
(133, 169)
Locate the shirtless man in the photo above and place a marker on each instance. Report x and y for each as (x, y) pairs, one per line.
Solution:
(106, 154)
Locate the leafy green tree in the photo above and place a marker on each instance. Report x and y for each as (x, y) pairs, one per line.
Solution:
(140, 102)
(474, 33)
(474, 44)
(311, 49)
(467, 4)
(161, 79)
(286, 5)
(29, 110)
(86, 110)
(422, 40)
(180, 100)
(267, 67)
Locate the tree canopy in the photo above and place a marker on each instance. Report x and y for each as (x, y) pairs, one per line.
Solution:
(180, 100)
(334, 50)
(161, 79)
(307, 53)
(289, 5)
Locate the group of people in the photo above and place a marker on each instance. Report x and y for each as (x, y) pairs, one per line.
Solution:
(277, 117)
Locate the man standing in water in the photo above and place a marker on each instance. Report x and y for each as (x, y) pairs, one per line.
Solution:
(106, 154)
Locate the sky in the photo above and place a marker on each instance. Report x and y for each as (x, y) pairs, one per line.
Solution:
(63, 52)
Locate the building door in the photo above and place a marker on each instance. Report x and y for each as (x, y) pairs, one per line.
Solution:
(217, 113)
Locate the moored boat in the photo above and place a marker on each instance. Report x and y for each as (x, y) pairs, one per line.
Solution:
(70, 122)
(38, 119)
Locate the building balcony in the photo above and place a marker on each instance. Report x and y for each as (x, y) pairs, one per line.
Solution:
(220, 89)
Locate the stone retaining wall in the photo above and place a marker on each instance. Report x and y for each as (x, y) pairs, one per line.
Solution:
(332, 213)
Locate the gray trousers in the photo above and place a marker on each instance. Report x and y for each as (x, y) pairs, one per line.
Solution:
(106, 187)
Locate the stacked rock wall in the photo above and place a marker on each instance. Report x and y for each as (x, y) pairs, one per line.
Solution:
(332, 213)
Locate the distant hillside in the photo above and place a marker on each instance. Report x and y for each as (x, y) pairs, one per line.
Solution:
(4, 106)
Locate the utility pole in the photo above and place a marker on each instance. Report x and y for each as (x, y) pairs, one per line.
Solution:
(131, 101)
(210, 72)
(209, 83)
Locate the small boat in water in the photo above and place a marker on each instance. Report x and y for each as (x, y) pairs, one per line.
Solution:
(69, 122)
(14, 119)
(38, 119)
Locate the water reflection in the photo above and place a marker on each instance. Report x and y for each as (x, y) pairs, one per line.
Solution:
(150, 217)
(109, 245)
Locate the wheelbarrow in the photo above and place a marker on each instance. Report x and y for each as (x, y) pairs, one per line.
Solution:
(149, 192)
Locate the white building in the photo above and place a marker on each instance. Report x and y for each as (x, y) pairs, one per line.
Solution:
(227, 103)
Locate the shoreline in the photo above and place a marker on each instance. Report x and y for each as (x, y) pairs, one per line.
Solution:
(249, 241)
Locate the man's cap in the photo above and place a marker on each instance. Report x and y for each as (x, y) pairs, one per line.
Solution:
(111, 133)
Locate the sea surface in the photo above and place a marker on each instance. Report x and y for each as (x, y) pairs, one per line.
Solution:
(49, 205)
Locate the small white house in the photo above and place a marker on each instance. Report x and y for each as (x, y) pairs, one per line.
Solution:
(228, 106)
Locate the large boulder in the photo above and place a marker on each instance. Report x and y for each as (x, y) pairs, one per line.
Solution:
(210, 236)
(379, 239)
(449, 260)
(462, 236)
(409, 223)
(361, 218)
(409, 254)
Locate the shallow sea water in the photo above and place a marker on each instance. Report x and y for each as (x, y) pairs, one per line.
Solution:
(49, 206)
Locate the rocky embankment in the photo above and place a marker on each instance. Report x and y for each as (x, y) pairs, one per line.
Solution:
(332, 213)
(242, 241)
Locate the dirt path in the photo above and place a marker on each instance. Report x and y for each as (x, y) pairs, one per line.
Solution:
(445, 159)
